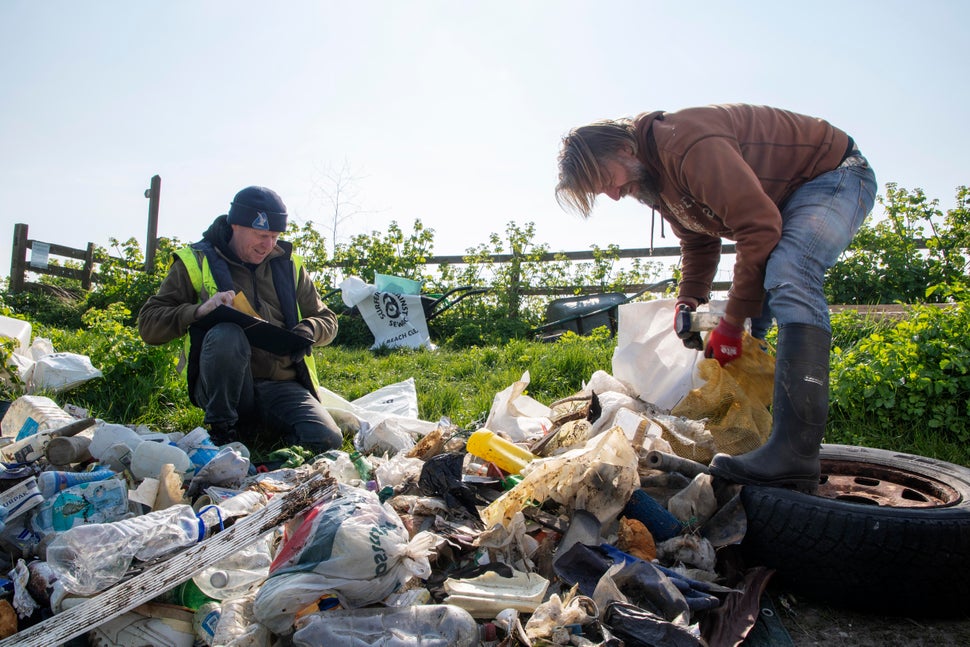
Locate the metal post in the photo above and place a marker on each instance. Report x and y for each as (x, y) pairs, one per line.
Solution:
(151, 245)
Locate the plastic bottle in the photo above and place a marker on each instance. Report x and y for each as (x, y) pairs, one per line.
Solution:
(198, 446)
(235, 575)
(238, 625)
(187, 595)
(205, 621)
(506, 455)
(30, 414)
(149, 456)
(50, 483)
(363, 466)
(423, 624)
(91, 557)
(107, 434)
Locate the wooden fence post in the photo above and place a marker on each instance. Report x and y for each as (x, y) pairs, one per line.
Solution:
(88, 270)
(18, 258)
(151, 245)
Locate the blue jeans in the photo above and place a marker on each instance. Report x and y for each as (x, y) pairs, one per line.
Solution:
(229, 394)
(818, 222)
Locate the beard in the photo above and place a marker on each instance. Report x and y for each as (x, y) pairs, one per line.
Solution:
(645, 193)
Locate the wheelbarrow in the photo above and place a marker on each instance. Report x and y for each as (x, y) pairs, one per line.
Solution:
(582, 314)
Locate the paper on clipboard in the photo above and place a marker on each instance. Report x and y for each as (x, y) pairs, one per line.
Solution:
(261, 333)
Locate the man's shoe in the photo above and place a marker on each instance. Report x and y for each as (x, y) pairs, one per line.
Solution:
(222, 433)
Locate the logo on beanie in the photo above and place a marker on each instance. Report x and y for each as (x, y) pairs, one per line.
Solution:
(261, 221)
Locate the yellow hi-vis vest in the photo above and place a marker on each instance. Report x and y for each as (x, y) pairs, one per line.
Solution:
(204, 282)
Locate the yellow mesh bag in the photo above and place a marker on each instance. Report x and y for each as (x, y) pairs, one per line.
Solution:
(734, 399)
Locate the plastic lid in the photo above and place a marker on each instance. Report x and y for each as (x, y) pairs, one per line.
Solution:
(219, 579)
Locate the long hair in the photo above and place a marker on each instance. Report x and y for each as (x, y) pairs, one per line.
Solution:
(580, 161)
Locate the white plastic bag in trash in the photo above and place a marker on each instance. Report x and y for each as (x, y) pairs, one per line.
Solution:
(390, 414)
(58, 372)
(517, 415)
(352, 547)
(395, 320)
(650, 358)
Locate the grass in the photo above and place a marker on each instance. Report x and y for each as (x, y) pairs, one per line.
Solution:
(141, 387)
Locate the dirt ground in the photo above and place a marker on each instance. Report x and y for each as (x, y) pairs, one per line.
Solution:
(813, 624)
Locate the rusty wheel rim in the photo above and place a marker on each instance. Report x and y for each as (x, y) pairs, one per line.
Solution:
(883, 486)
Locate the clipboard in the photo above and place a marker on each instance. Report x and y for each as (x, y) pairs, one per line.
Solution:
(261, 334)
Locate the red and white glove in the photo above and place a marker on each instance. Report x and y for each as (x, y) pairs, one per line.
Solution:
(724, 343)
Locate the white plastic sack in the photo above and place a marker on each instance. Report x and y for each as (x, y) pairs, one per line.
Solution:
(58, 372)
(351, 546)
(389, 417)
(396, 320)
(649, 357)
(517, 415)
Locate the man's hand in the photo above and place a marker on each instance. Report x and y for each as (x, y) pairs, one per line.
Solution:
(724, 344)
(303, 329)
(213, 302)
(682, 310)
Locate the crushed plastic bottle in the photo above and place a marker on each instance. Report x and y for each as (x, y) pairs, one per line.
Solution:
(92, 557)
(237, 574)
(421, 625)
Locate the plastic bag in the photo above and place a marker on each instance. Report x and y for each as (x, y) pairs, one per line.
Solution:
(396, 320)
(58, 372)
(517, 415)
(649, 357)
(352, 547)
(599, 477)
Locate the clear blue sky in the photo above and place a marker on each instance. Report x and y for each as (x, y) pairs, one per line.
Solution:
(450, 112)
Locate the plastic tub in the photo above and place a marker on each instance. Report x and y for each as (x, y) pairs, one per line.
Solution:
(396, 284)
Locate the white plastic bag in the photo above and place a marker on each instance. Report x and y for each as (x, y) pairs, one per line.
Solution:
(517, 415)
(353, 547)
(649, 357)
(56, 372)
(396, 320)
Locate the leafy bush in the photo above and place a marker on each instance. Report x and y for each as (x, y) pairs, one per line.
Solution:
(884, 263)
(915, 374)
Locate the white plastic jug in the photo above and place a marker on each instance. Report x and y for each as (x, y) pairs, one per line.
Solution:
(149, 456)
(30, 414)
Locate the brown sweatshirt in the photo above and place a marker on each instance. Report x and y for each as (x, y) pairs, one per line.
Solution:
(722, 172)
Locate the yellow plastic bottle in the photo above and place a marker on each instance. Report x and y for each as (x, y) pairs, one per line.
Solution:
(506, 455)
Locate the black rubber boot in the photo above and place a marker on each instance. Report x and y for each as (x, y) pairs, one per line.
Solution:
(800, 407)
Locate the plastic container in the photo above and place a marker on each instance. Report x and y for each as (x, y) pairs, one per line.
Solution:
(107, 435)
(508, 456)
(171, 628)
(95, 502)
(238, 625)
(30, 414)
(148, 457)
(205, 621)
(426, 624)
(396, 284)
(50, 483)
(17, 330)
(198, 446)
(237, 574)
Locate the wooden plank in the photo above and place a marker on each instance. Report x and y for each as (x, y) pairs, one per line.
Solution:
(156, 580)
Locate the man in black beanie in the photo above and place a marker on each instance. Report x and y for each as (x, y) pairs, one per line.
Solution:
(243, 388)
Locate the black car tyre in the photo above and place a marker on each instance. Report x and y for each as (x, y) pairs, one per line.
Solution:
(886, 531)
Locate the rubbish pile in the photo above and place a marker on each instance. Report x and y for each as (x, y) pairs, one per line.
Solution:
(580, 522)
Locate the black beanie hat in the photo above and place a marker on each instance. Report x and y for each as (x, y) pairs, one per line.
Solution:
(259, 208)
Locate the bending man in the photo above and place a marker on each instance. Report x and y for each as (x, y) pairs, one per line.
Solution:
(791, 191)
